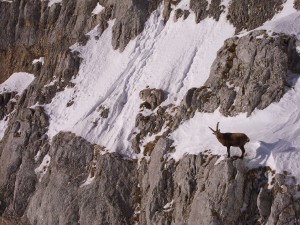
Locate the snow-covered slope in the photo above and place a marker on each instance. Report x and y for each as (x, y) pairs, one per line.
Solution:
(173, 57)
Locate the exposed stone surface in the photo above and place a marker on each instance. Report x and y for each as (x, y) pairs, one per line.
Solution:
(150, 124)
(250, 14)
(63, 197)
(181, 13)
(203, 9)
(152, 97)
(7, 103)
(194, 190)
(297, 4)
(249, 72)
(23, 139)
(264, 203)
(157, 186)
(130, 19)
(285, 207)
(33, 30)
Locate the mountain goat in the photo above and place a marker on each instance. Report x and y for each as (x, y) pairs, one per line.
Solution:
(231, 139)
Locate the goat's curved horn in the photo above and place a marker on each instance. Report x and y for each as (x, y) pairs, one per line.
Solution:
(217, 129)
(212, 129)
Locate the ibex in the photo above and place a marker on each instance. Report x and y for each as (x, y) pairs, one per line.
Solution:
(231, 139)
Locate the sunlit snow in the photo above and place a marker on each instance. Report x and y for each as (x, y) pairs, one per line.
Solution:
(174, 57)
(97, 9)
(52, 2)
(17, 82)
(41, 60)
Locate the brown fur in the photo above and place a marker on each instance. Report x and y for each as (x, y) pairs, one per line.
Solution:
(231, 139)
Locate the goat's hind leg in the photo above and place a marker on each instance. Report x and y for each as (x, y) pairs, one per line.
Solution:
(243, 151)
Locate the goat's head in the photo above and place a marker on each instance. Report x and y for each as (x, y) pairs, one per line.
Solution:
(217, 131)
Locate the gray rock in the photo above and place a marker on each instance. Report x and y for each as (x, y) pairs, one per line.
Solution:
(250, 72)
(200, 9)
(203, 9)
(7, 103)
(62, 197)
(157, 186)
(156, 190)
(22, 140)
(153, 97)
(186, 176)
(222, 200)
(130, 19)
(251, 14)
(297, 4)
(264, 203)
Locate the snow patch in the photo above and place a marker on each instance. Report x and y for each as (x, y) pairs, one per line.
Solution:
(3, 126)
(88, 181)
(17, 82)
(287, 21)
(41, 60)
(169, 206)
(52, 2)
(42, 169)
(97, 9)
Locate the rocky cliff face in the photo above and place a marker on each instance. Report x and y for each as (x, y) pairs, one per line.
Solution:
(194, 190)
(245, 66)
(68, 180)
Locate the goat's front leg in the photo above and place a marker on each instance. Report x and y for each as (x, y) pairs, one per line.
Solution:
(228, 151)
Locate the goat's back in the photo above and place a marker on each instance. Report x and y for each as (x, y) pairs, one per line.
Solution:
(233, 139)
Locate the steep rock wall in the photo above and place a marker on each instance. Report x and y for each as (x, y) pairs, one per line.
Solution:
(194, 190)
(250, 14)
(249, 72)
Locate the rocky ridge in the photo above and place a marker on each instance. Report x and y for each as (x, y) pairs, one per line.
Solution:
(194, 190)
(245, 66)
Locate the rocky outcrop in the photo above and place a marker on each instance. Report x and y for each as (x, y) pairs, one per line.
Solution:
(181, 13)
(251, 14)
(36, 30)
(151, 97)
(151, 123)
(249, 73)
(297, 4)
(23, 139)
(104, 197)
(7, 103)
(194, 190)
(130, 19)
(204, 9)
(282, 206)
